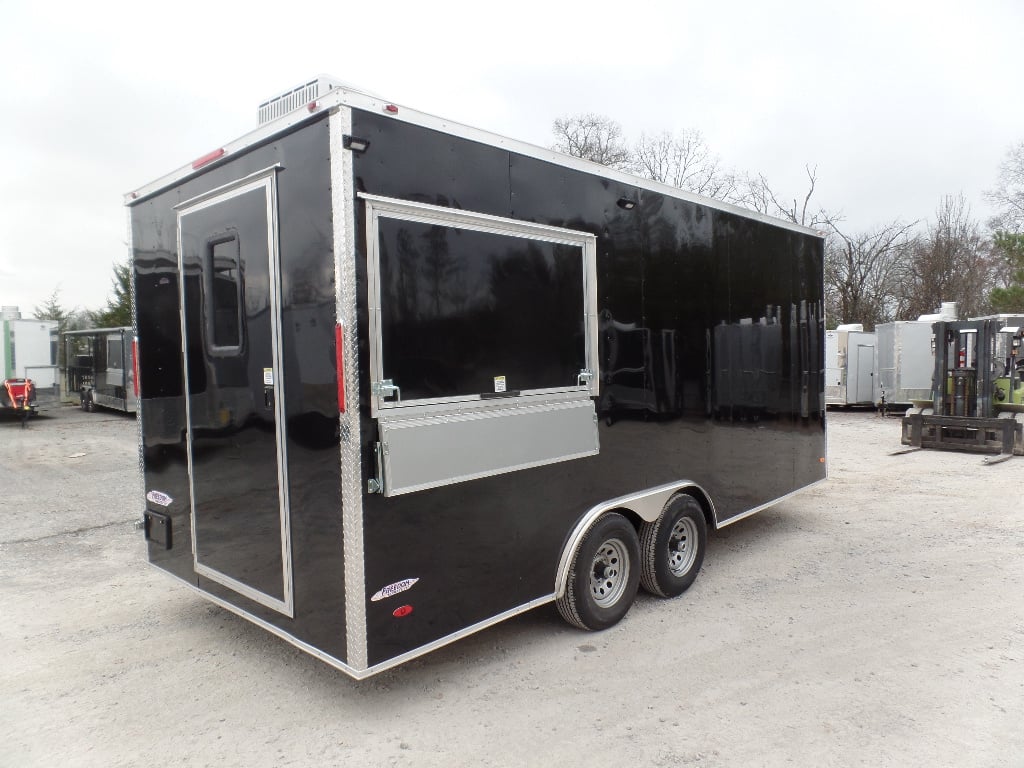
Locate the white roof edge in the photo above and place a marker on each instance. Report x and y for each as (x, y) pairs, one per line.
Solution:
(345, 96)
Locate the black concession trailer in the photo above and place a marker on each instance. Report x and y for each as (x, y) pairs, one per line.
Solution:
(402, 378)
(99, 368)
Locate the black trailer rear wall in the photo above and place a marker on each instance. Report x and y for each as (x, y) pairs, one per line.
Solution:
(401, 378)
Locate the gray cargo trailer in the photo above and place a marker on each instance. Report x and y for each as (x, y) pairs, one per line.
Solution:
(906, 359)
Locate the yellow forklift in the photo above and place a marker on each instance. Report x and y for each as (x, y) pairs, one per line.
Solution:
(977, 389)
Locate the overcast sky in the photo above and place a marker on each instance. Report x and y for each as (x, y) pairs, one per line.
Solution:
(896, 103)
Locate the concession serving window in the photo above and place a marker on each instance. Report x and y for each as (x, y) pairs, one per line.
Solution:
(483, 352)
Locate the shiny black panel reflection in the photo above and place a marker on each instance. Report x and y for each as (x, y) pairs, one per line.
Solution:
(231, 417)
(461, 308)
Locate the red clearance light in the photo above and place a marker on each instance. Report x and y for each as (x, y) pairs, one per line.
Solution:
(209, 157)
(391, 109)
(135, 367)
(339, 358)
(313, 106)
(402, 611)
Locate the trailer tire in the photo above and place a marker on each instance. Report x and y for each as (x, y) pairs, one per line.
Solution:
(672, 547)
(604, 575)
(87, 402)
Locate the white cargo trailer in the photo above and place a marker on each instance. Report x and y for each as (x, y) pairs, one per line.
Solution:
(906, 358)
(849, 366)
(27, 351)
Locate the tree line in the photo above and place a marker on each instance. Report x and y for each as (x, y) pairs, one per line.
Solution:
(116, 313)
(896, 270)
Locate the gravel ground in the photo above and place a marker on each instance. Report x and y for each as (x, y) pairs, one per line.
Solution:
(874, 620)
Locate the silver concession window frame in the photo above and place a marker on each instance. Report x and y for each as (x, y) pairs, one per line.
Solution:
(429, 442)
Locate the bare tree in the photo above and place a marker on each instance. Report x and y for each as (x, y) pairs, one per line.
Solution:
(862, 270)
(952, 262)
(1008, 194)
(754, 192)
(683, 160)
(593, 137)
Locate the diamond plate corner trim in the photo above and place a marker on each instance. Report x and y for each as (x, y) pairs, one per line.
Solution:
(342, 204)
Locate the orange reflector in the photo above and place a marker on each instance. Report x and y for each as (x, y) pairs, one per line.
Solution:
(821, 460)
(339, 359)
(209, 157)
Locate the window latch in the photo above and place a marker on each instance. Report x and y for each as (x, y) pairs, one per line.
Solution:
(387, 388)
(585, 378)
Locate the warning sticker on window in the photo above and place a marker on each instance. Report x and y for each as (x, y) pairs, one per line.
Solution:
(268, 377)
(499, 383)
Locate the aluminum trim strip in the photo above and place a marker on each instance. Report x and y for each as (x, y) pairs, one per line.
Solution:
(772, 503)
(98, 331)
(482, 222)
(358, 673)
(244, 589)
(212, 196)
(474, 403)
(280, 394)
(352, 98)
(456, 636)
(350, 454)
(266, 625)
(140, 467)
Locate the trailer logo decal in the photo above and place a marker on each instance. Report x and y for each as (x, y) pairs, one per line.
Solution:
(393, 589)
(159, 497)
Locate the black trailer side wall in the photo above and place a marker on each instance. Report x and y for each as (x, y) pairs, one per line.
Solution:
(727, 394)
(307, 327)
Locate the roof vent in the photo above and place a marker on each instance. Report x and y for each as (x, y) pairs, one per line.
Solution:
(300, 96)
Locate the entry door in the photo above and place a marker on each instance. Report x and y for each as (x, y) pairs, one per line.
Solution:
(235, 396)
(865, 374)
